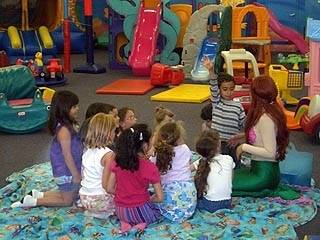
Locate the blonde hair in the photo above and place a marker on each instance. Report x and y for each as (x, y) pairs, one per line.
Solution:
(161, 113)
(99, 130)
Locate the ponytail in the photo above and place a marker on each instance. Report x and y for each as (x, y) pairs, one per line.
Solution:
(207, 146)
(201, 176)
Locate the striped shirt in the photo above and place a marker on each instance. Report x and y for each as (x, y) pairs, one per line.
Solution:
(227, 116)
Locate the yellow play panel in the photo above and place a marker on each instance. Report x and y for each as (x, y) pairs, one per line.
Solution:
(192, 93)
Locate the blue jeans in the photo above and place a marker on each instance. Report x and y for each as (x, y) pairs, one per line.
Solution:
(212, 206)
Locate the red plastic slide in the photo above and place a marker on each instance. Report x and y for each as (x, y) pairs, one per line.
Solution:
(145, 38)
(286, 32)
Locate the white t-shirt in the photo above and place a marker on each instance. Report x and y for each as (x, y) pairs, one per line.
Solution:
(91, 171)
(219, 178)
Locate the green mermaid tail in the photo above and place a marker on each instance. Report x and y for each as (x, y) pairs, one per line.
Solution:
(261, 180)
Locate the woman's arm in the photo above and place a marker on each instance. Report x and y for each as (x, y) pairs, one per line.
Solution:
(64, 138)
(111, 186)
(157, 197)
(106, 162)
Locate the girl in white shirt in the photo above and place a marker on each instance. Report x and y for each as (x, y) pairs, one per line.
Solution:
(95, 169)
(213, 178)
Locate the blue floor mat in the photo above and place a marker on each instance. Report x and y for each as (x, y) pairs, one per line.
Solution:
(250, 218)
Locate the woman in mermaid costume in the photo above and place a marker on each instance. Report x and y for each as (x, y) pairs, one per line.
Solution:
(267, 138)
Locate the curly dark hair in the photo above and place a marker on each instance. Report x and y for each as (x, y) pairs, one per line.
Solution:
(224, 77)
(130, 144)
(207, 146)
(166, 140)
(61, 104)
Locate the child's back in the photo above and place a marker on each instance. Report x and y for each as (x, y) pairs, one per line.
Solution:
(132, 187)
(96, 162)
(180, 166)
(173, 161)
(213, 178)
(92, 171)
(130, 178)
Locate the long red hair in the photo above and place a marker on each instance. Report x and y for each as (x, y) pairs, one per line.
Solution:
(264, 94)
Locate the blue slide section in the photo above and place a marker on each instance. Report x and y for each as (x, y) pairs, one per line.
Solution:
(31, 45)
(209, 48)
(31, 41)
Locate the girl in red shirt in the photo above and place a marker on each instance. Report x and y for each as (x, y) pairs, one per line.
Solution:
(131, 174)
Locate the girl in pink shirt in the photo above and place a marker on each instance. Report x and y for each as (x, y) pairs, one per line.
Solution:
(131, 174)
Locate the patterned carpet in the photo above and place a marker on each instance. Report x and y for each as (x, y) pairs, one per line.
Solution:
(250, 218)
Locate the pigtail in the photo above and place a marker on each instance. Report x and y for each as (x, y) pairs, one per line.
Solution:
(207, 146)
(201, 176)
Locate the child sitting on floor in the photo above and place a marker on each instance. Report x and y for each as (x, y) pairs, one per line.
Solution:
(131, 174)
(213, 178)
(126, 118)
(172, 157)
(92, 110)
(162, 115)
(65, 154)
(96, 162)
(206, 116)
(228, 116)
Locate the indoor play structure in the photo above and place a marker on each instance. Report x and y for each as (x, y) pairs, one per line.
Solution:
(242, 90)
(144, 45)
(287, 81)
(26, 33)
(196, 32)
(22, 108)
(312, 78)
(209, 48)
(286, 33)
(169, 27)
(259, 42)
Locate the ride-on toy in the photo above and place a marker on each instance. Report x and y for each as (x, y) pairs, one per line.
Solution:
(51, 74)
(163, 74)
(22, 109)
(310, 121)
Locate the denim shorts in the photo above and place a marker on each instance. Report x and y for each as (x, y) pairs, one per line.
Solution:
(212, 206)
(65, 184)
(69, 187)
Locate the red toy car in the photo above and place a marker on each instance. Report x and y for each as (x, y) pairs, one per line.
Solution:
(53, 70)
(310, 121)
